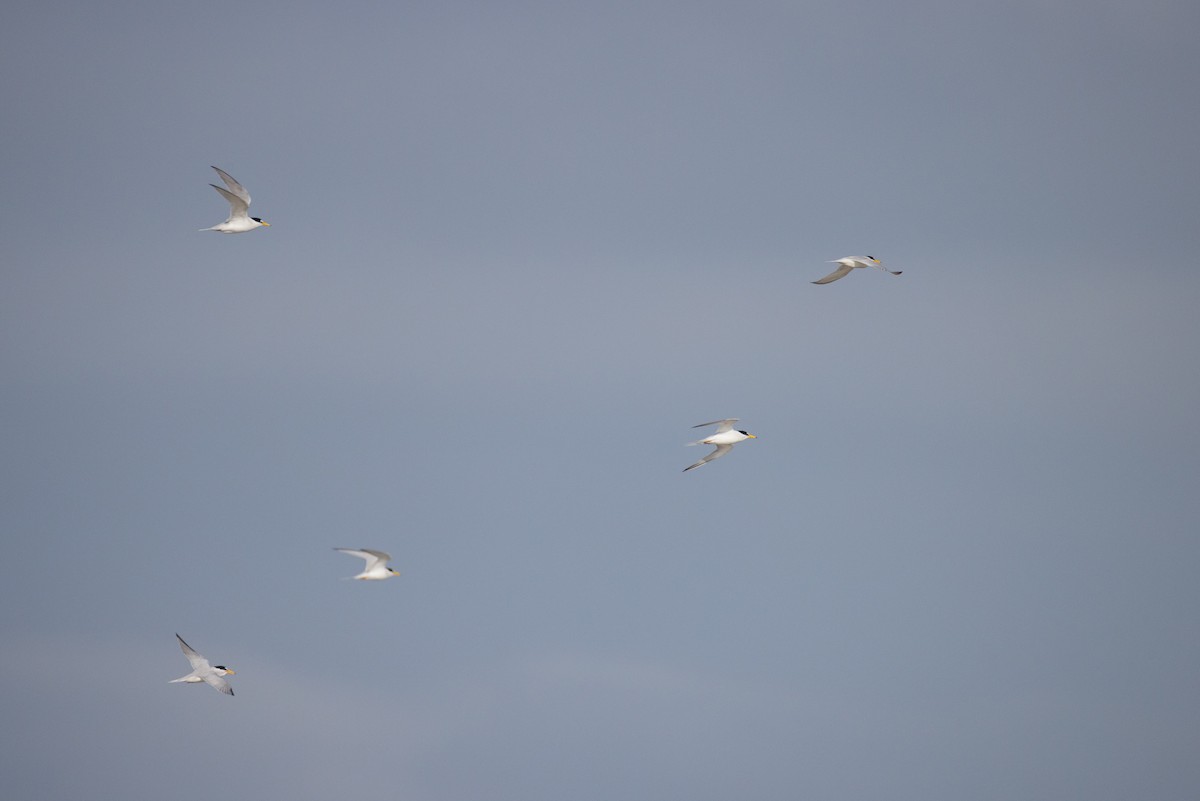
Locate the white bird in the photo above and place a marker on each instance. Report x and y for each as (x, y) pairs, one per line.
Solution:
(239, 220)
(375, 567)
(724, 438)
(848, 263)
(212, 675)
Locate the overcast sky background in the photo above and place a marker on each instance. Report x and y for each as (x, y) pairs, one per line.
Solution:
(516, 251)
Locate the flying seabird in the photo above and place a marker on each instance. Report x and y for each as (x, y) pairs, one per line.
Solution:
(376, 568)
(724, 438)
(848, 263)
(212, 675)
(239, 206)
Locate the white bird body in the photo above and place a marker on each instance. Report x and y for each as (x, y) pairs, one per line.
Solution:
(848, 263)
(725, 437)
(202, 671)
(374, 564)
(239, 220)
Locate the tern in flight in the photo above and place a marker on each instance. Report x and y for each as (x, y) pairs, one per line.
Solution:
(725, 437)
(848, 263)
(212, 675)
(239, 221)
(375, 567)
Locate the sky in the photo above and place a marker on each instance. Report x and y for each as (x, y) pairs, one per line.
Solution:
(516, 252)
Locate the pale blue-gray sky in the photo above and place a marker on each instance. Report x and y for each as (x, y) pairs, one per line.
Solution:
(517, 250)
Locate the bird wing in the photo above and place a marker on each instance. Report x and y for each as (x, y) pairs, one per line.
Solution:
(199, 663)
(218, 683)
(716, 454)
(237, 206)
(372, 558)
(722, 425)
(870, 261)
(380, 555)
(835, 275)
(234, 186)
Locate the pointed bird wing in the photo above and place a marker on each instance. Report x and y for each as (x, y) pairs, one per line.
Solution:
(722, 425)
(868, 261)
(234, 187)
(198, 662)
(717, 454)
(218, 683)
(835, 275)
(237, 207)
(372, 558)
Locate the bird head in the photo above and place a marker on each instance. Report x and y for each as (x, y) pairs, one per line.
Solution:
(393, 571)
(224, 670)
(748, 434)
(260, 222)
